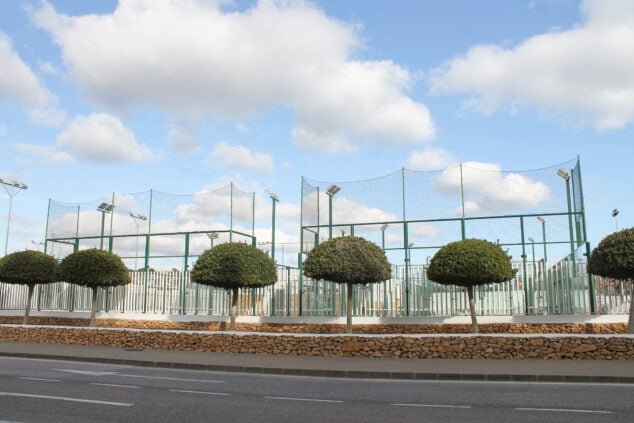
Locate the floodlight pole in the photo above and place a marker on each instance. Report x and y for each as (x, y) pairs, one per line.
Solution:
(545, 269)
(332, 190)
(615, 213)
(103, 209)
(12, 188)
(566, 176)
(137, 218)
(274, 199)
(383, 228)
(212, 236)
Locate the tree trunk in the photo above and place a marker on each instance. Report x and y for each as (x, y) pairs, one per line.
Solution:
(474, 319)
(27, 307)
(630, 321)
(234, 309)
(93, 312)
(349, 309)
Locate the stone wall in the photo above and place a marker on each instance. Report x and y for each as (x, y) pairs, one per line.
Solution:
(551, 347)
(576, 328)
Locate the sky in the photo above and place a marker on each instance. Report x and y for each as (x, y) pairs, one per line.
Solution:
(185, 96)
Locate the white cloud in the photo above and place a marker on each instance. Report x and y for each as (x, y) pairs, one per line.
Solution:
(17, 81)
(47, 154)
(585, 72)
(51, 116)
(101, 137)
(431, 158)
(487, 188)
(194, 58)
(238, 156)
(180, 138)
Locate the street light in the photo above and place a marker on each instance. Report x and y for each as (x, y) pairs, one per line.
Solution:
(615, 213)
(332, 190)
(103, 209)
(137, 219)
(37, 244)
(12, 188)
(541, 219)
(383, 228)
(212, 236)
(274, 199)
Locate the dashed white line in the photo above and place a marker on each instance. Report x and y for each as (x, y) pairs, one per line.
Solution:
(16, 394)
(171, 378)
(564, 410)
(303, 399)
(200, 392)
(39, 379)
(432, 405)
(116, 386)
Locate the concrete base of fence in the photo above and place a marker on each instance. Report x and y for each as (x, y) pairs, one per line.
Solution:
(463, 346)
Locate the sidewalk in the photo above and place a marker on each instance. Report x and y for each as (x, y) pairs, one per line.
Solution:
(596, 371)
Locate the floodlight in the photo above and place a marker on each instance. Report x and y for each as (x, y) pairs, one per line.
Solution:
(384, 227)
(530, 239)
(137, 216)
(212, 235)
(105, 207)
(411, 244)
(615, 212)
(332, 190)
(541, 219)
(273, 195)
(563, 173)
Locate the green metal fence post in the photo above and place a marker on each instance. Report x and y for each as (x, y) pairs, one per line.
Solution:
(406, 245)
(146, 259)
(184, 276)
(525, 278)
(231, 212)
(462, 222)
(301, 283)
(585, 238)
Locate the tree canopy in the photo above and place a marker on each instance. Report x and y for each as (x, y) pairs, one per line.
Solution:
(94, 268)
(614, 256)
(470, 262)
(28, 268)
(234, 265)
(348, 259)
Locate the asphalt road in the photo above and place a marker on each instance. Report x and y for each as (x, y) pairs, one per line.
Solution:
(61, 391)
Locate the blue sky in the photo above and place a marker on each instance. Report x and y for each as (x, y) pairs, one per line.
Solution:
(184, 96)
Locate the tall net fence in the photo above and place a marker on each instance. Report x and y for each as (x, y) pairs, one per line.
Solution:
(152, 229)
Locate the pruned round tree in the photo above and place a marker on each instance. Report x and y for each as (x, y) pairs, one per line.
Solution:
(28, 268)
(614, 258)
(94, 269)
(348, 260)
(232, 266)
(469, 263)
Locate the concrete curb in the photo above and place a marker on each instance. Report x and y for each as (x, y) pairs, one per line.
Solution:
(353, 374)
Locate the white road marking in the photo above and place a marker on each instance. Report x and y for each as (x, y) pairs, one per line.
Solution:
(564, 410)
(303, 399)
(172, 378)
(15, 394)
(116, 386)
(85, 372)
(200, 392)
(39, 378)
(433, 405)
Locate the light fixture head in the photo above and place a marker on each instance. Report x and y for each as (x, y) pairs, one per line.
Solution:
(273, 195)
(541, 219)
(530, 239)
(105, 207)
(615, 212)
(384, 227)
(563, 173)
(212, 235)
(410, 245)
(332, 190)
(137, 216)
